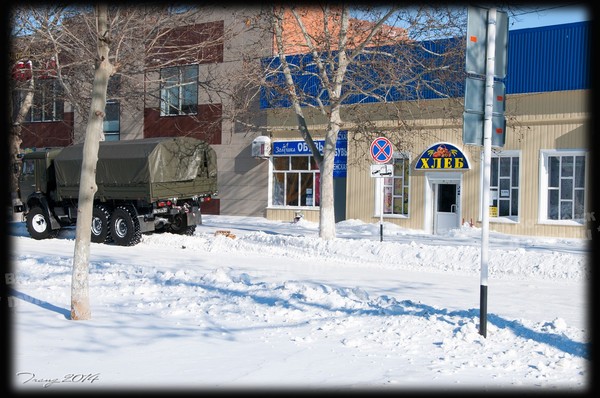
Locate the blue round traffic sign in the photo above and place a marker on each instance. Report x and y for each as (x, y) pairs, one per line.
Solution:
(381, 150)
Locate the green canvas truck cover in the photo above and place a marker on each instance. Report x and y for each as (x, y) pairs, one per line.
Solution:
(139, 165)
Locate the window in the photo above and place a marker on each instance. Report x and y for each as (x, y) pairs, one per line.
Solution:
(48, 105)
(395, 189)
(504, 184)
(112, 124)
(563, 184)
(295, 181)
(28, 167)
(179, 90)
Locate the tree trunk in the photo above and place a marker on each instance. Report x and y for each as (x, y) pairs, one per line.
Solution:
(327, 206)
(80, 305)
(15, 139)
(327, 213)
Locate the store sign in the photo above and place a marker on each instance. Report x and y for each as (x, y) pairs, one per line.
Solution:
(442, 156)
(300, 148)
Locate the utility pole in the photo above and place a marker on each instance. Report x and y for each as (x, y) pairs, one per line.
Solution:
(472, 126)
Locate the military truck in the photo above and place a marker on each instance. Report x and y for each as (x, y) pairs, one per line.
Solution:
(146, 185)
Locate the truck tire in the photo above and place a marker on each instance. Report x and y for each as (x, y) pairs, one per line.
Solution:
(179, 226)
(124, 227)
(100, 224)
(38, 224)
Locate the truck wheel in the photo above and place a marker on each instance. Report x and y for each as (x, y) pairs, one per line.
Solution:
(124, 227)
(100, 224)
(179, 226)
(189, 230)
(38, 224)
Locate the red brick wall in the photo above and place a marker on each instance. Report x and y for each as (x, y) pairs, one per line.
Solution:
(200, 43)
(45, 134)
(206, 125)
(312, 17)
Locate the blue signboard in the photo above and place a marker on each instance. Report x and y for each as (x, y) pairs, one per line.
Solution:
(300, 148)
(442, 156)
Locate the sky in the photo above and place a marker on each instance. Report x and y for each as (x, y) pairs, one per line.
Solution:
(551, 14)
(267, 305)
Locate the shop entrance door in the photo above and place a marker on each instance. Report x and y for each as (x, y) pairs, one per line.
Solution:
(446, 206)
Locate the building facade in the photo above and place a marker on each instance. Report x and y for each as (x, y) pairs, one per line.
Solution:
(540, 181)
(191, 98)
(183, 96)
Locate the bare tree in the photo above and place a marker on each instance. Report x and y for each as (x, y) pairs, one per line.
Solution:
(80, 305)
(22, 88)
(27, 88)
(344, 71)
(143, 40)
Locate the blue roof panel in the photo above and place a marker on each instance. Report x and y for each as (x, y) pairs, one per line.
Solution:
(549, 58)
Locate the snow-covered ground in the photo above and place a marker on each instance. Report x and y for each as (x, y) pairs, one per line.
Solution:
(276, 307)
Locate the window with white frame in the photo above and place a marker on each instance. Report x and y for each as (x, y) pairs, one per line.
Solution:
(563, 186)
(179, 90)
(395, 190)
(295, 181)
(504, 184)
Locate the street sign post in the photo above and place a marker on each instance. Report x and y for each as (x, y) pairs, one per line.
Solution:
(478, 50)
(486, 54)
(382, 170)
(381, 152)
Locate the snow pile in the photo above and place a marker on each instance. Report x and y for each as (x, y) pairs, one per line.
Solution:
(276, 307)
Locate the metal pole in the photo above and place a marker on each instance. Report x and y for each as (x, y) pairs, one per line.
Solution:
(487, 155)
(382, 207)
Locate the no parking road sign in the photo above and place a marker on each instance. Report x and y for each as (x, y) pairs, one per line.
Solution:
(381, 150)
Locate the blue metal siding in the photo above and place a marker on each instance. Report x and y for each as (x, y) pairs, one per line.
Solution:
(550, 58)
(361, 74)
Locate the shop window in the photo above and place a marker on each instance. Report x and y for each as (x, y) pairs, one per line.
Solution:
(563, 186)
(179, 90)
(504, 184)
(295, 182)
(395, 189)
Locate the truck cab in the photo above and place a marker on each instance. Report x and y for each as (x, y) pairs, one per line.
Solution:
(37, 174)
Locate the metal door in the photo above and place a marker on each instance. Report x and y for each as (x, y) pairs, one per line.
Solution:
(446, 207)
